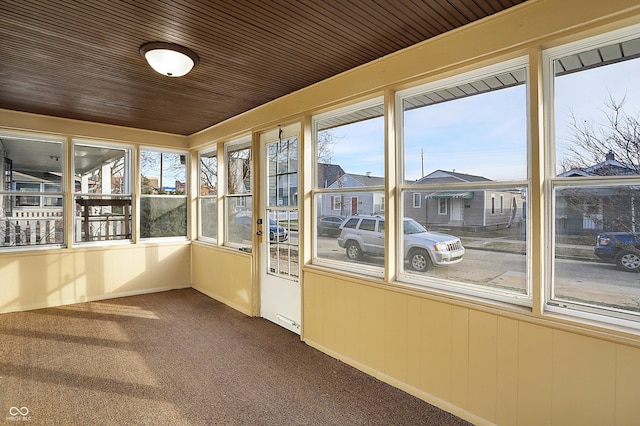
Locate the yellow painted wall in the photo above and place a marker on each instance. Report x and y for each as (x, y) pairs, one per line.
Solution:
(225, 275)
(42, 278)
(486, 367)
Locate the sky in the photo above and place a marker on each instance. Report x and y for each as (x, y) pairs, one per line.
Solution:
(485, 135)
(583, 94)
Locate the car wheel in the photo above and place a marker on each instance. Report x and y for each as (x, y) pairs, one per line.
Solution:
(420, 261)
(353, 251)
(628, 261)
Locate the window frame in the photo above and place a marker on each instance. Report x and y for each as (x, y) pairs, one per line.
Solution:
(553, 181)
(406, 187)
(349, 192)
(417, 196)
(237, 199)
(128, 193)
(42, 194)
(214, 154)
(185, 195)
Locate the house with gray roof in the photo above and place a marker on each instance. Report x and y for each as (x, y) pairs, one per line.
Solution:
(472, 209)
(357, 202)
(602, 208)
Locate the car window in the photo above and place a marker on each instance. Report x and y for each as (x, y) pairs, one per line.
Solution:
(368, 225)
(381, 226)
(351, 223)
(413, 227)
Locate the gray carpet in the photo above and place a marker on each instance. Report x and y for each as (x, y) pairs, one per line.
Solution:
(181, 358)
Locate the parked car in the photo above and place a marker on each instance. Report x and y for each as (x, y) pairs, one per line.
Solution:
(276, 232)
(361, 235)
(330, 225)
(621, 248)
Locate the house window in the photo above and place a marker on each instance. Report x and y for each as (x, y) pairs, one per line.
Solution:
(25, 200)
(595, 186)
(457, 164)
(102, 192)
(336, 202)
(31, 192)
(417, 200)
(163, 197)
(501, 204)
(238, 196)
(349, 148)
(208, 196)
(442, 206)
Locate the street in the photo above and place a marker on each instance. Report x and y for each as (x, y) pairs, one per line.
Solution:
(590, 282)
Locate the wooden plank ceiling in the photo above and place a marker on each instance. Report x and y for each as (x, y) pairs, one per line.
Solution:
(80, 60)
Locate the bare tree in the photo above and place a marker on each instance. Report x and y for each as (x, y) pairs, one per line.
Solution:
(326, 140)
(617, 136)
(606, 147)
(208, 175)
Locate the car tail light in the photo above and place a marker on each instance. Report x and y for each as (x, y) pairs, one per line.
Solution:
(603, 241)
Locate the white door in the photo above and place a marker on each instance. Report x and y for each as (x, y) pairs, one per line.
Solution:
(457, 209)
(279, 264)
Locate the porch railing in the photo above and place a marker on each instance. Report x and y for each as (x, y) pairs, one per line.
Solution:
(29, 228)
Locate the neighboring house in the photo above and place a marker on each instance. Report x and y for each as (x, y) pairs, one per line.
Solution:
(328, 174)
(580, 211)
(352, 203)
(474, 209)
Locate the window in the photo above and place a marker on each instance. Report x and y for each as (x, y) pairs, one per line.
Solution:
(349, 151)
(238, 199)
(102, 192)
(417, 200)
(442, 206)
(465, 142)
(163, 199)
(30, 201)
(31, 194)
(208, 196)
(336, 202)
(595, 186)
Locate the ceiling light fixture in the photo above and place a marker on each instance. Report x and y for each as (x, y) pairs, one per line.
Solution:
(169, 59)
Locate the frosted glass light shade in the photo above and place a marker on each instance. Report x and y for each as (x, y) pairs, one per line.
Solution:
(169, 59)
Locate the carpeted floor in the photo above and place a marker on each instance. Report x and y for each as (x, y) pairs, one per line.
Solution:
(181, 358)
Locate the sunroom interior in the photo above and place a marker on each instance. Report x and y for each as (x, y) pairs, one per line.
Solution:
(527, 326)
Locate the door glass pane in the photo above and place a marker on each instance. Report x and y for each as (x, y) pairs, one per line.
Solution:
(282, 158)
(282, 227)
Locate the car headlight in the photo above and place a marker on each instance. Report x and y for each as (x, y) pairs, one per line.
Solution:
(441, 247)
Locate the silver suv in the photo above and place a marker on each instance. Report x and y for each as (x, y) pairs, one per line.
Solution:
(361, 235)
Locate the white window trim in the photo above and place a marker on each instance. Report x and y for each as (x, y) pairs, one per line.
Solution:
(203, 238)
(185, 195)
(128, 193)
(552, 305)
(448, 286)
(226, 197)
(417, 196)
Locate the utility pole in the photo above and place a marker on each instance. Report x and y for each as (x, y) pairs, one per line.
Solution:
(422, 160)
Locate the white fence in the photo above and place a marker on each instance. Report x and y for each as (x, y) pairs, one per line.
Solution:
(103, 227)
(32, 228)
(27, 228)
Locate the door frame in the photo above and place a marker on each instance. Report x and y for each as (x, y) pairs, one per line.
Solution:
(289, 314)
